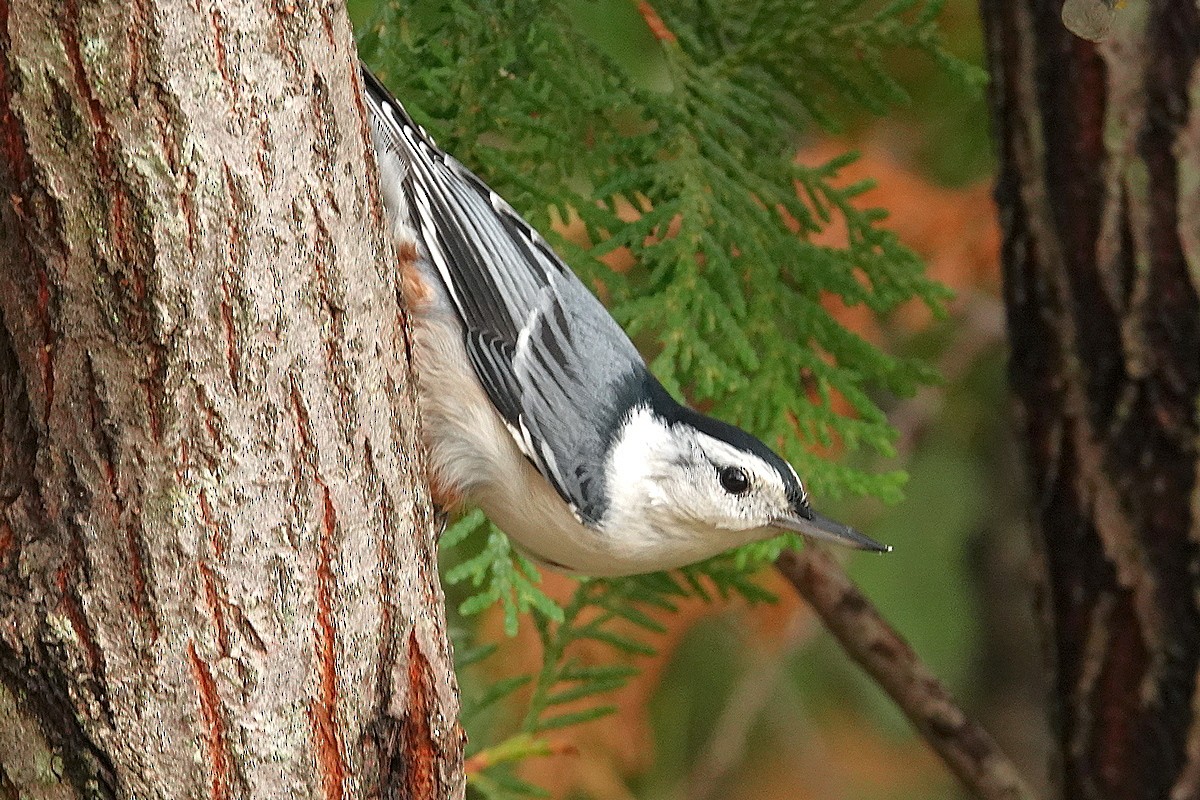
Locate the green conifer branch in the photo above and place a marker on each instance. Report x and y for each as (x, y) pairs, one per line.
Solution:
(726, 293)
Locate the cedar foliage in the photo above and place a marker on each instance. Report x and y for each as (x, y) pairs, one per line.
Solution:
(684, 156)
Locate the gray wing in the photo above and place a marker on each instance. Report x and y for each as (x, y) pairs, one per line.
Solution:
(556, 366)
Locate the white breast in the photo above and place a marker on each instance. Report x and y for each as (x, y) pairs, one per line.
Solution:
(473, 454)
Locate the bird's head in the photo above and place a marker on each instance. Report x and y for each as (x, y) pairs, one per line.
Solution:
(698, 473)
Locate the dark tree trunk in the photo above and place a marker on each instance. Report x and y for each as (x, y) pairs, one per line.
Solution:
(217, 563)
(1099, 195)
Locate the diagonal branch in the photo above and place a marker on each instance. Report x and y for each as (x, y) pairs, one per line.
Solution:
(865, 635)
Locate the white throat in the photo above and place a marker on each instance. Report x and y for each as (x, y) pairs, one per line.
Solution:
(638, 461)
(645, 518)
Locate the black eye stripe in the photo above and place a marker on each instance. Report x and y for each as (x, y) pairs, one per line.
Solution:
(734, 480)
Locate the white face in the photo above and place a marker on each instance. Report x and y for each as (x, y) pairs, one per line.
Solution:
(683, 479)
(724, 487)
(681, 492)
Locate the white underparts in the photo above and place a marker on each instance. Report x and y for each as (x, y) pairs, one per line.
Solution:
(473, 453)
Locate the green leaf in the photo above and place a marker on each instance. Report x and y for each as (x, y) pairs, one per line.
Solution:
(575, 718)
(499, 690)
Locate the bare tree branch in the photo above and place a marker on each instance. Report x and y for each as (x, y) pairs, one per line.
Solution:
(967, 749)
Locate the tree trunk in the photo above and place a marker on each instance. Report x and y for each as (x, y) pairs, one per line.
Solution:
(1099, 194)
(217, 557)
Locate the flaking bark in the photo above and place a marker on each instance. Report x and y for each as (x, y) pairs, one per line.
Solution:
(1099, 195)
(217, 565)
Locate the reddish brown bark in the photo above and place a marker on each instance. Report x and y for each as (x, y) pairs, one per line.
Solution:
(217, 561)
(1099, 193)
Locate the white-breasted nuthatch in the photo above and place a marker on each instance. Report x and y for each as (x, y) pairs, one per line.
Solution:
(537, 407)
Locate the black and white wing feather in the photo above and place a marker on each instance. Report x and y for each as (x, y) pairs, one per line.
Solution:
(556, 366)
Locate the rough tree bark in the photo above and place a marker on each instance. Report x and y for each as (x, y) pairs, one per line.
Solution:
(216, 551)
(1099, 194)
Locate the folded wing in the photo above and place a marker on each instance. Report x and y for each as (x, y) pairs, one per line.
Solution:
(556, 366)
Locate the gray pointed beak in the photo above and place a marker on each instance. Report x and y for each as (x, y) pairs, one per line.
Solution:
(818, 526)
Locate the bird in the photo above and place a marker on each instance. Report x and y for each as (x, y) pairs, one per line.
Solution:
(537, 407)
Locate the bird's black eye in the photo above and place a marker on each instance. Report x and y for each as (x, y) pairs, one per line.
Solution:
(734, 480)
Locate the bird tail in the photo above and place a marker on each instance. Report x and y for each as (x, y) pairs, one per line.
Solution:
(393, 132)
(386, 111)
